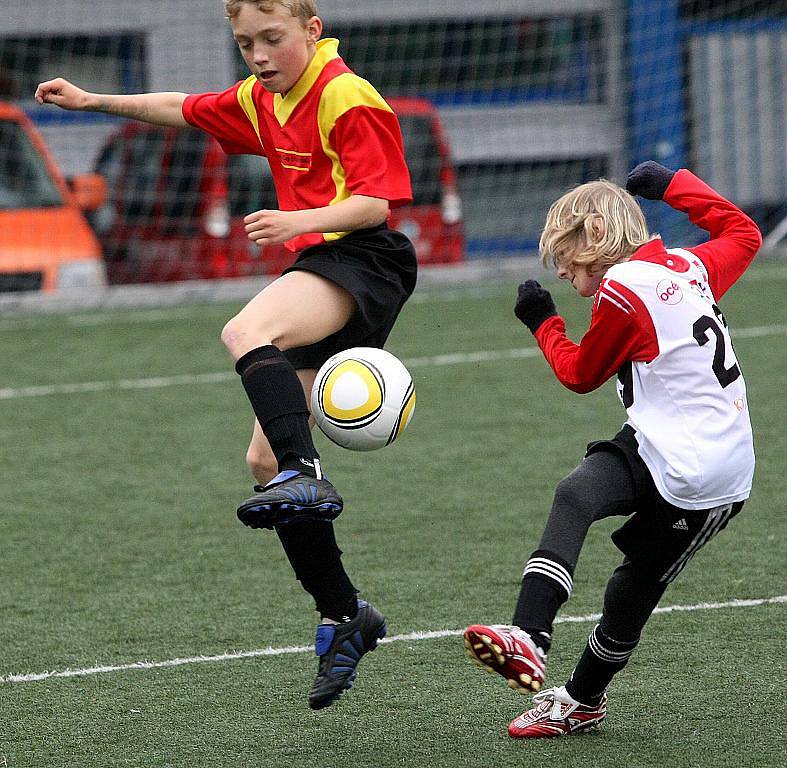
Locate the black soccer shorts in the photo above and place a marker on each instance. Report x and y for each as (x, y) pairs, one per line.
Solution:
(378, 267)
(660, 538)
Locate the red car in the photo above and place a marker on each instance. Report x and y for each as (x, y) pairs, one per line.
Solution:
(176, 202)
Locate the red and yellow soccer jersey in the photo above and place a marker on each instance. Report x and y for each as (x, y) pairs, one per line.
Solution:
(331, 136)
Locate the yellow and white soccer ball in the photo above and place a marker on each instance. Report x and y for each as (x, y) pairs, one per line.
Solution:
(363, 398)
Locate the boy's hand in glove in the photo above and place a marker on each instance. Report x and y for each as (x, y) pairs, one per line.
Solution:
(649, 180)
(534, 305)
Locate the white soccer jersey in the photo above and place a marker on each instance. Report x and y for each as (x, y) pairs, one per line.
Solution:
(656, 323)
(688, 404)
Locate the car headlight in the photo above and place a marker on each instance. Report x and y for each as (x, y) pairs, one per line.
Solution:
(81, 274)
(452, 208)
(217, 221)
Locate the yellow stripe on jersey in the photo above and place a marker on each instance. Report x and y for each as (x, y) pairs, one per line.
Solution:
(246, 102)
(339, 96)
(327, 50)
(342, 94)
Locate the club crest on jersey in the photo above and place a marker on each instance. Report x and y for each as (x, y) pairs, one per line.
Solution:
(701, 289)
(669, 292)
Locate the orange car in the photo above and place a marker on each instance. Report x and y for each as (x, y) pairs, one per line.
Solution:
(45, 241)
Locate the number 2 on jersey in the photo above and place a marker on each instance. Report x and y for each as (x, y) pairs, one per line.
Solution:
(703, 328)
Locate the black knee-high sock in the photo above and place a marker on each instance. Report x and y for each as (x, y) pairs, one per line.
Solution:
(601, 660)
(276, 395)
(629, 600)
(316, 559)
(546, 584)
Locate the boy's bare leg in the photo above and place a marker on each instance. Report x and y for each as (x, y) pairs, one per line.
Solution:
(295, 310)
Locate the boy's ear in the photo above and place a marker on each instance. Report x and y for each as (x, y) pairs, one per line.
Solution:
(313, 29)
(598, 228)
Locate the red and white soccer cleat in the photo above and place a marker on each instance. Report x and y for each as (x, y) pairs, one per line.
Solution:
(556, 714)
(510, 652)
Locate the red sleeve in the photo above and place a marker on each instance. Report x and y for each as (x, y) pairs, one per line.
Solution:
(621, 329)
(220, 115)
(735, 238)
(369, 144)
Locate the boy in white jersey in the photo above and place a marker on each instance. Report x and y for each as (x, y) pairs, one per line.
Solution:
(682, 465)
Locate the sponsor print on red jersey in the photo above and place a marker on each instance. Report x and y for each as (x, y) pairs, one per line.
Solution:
(331, 136)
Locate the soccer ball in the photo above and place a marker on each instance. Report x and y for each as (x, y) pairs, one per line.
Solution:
(363, 398)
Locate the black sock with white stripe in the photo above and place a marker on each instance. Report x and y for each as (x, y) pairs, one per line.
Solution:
(602, 659)
(546, 584)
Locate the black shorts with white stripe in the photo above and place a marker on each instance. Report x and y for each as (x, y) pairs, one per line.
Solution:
(661, 538)
(662, 541)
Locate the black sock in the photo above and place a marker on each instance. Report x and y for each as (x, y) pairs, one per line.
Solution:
(290, 439)
(602, 658)
(546, 584)
(316, 559)
(276, 395)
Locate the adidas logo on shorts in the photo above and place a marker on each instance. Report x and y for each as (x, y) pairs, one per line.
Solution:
(681, 525)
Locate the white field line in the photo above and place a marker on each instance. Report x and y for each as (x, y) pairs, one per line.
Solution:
(13, 393)
(157, 382)
(759, 330)
(409, 637)
(79, 388)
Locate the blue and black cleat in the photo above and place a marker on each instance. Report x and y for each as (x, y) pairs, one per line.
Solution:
(289, 496)
(340, 648)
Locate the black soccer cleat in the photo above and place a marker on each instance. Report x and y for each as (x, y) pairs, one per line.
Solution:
(340, 648)
(289, 496)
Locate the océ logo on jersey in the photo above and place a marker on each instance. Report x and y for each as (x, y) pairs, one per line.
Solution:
(669, 292)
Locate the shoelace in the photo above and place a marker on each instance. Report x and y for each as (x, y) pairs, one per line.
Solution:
(560, 709)
(541, 696)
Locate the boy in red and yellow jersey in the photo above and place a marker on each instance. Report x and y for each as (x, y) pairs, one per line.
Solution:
(335, 151)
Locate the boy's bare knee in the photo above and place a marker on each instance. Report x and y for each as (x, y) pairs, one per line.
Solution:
(231, 335)
(239, 337)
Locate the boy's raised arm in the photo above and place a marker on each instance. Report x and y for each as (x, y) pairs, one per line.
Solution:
(158, 108)
(735, 238)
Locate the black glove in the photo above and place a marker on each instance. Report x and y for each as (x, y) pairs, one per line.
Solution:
(649, 180)
(534, 305)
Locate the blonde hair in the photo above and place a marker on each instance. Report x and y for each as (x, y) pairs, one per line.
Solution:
(595, 224)
(301, 9)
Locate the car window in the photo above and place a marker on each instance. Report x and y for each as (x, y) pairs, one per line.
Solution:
(250, 185)
(110, 166)
(143, 169)
(181, 188)
(423, 158)
(132, 169)
(25, 181)
(140, 171)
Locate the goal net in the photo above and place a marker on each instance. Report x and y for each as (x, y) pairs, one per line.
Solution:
(504, 105)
